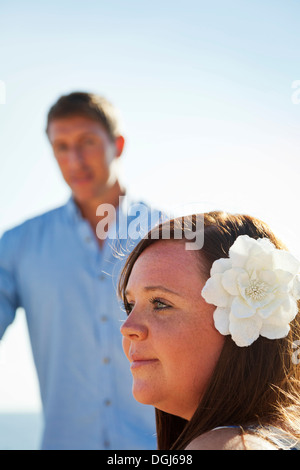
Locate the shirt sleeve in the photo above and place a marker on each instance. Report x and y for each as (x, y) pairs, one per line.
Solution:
(8, 289)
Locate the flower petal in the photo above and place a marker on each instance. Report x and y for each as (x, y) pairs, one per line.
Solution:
(229, 280)
(239, 251)
(283, 281)
(240, 309)
(260, 303)
(286, 261)
(296, 287)
(267, 276)
(277, 325)
(290, 308)
(245, 331)
(266, 245)
(221, 319)
(271, 331)
(259, 262)
(214, 293)
(220, 265)
(266, 310)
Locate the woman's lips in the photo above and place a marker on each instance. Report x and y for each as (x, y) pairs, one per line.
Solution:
(140, 362)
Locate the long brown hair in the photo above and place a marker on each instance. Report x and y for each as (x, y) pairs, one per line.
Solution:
(258, 384)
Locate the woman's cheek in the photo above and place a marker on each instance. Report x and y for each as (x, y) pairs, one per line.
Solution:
(126, 346)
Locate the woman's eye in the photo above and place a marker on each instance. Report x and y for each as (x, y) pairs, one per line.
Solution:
(128, 307)
(159, 304)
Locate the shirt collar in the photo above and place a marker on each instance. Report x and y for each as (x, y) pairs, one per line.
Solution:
(74, 211)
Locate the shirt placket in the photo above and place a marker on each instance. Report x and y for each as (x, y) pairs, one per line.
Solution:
(102, 291)
(109, 329)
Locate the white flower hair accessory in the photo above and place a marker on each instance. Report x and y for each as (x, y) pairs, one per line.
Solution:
(255, 291)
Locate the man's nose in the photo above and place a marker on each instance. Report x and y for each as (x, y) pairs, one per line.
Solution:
(75, 156)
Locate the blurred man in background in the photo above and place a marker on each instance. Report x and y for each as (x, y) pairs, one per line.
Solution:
(64, 276)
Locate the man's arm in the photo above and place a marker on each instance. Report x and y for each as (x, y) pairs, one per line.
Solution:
(9, 301)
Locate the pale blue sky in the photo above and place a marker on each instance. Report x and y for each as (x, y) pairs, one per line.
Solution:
(204, 89)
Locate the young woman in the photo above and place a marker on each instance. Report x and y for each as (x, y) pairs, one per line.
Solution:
(212, 334)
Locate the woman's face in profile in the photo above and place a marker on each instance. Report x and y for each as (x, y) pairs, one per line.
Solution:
(169, 335)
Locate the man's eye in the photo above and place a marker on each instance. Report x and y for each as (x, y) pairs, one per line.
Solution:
(88, 142)
(61, 148)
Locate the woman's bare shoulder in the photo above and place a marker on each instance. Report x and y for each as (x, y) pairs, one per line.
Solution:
(229, 439)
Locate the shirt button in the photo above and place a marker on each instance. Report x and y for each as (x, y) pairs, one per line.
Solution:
(106, 444)
(106, 360)
(102, 277)
(107, 402)
(104, 318)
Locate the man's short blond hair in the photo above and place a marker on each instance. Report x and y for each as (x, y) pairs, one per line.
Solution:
(89, 105)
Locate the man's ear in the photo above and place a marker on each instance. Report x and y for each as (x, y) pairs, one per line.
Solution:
(119, 143)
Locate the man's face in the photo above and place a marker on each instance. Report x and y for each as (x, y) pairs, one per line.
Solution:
(85, 154)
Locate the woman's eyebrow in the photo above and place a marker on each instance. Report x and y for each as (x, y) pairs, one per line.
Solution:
(155, 288)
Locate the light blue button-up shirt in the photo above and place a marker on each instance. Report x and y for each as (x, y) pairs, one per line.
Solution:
(53, 267)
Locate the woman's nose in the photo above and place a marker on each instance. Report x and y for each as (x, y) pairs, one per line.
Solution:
(134, 330)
